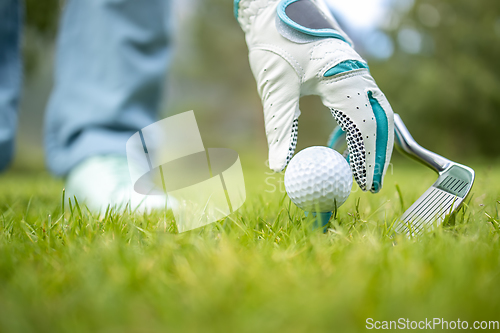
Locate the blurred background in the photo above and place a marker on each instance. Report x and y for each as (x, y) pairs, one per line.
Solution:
(436, 61)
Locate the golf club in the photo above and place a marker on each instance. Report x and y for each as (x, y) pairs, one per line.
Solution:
(443, 198)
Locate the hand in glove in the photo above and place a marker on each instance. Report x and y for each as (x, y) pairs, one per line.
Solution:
(296, 48)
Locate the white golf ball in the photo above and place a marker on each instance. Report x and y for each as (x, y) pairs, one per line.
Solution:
(318, 179)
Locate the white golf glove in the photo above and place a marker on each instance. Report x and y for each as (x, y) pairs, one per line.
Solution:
(296, 48)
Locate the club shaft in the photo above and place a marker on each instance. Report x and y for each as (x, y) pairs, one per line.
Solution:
(409, 147)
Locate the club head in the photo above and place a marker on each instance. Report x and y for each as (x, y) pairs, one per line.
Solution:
(443, 198)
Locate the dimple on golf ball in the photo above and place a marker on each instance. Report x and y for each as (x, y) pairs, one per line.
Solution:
(318, 179)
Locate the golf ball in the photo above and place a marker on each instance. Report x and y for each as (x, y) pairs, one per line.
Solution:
(318, 179)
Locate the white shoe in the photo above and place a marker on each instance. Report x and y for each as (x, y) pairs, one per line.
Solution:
(103, 181)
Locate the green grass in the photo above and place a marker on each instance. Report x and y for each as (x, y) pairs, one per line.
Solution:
(262, 269)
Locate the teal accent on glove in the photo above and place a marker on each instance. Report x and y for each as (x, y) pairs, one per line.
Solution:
(345, 66)
(236, 4)
(313, 32)
(381, 142)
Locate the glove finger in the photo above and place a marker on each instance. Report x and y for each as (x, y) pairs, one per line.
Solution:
(282, 129)
(279, 88)
(368, 135)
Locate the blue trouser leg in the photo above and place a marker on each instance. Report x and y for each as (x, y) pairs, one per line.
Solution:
(111, 61)
(10, 76)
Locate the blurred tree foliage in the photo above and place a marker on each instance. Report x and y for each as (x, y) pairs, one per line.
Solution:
(211, 75)
(41, 18)
(449, 92)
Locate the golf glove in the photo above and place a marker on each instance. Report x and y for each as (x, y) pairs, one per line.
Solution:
(296, 48)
